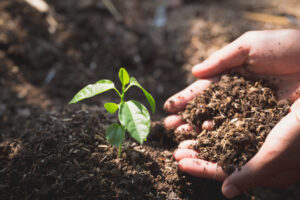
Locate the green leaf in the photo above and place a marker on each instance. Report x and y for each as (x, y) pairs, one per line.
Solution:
(136, 119)
(124, 77)
(92, 90)
(150, 99)
(111, 107)
(115, 134)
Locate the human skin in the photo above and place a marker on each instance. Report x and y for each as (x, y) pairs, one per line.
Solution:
(272, 55)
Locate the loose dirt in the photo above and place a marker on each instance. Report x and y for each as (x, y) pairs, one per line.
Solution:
(64, 155)
(241, 112)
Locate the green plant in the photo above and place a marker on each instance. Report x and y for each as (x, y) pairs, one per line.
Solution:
(133, 116)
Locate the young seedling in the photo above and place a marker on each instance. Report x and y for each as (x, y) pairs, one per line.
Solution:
(133, 116)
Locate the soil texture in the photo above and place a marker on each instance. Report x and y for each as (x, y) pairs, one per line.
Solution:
(240, 113)
(64, 155)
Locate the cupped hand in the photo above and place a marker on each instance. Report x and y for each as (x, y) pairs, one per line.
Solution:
(272, 55)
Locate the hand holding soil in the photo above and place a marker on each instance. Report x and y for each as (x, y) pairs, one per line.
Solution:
(270, 55)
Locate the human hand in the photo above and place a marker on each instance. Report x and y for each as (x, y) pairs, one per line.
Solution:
(276, 164)
(273, 55)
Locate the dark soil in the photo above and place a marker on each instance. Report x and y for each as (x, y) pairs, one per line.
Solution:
(64, 155)
(241, 112)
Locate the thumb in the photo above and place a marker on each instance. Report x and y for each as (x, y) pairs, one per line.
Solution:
(239, 182)
(230, 56)
(277, 151)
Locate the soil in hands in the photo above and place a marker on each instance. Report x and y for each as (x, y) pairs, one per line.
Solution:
(241, 112)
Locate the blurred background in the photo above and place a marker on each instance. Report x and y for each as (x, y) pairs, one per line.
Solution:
(49, 49)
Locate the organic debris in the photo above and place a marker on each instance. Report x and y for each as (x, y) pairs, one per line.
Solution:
(242, 112)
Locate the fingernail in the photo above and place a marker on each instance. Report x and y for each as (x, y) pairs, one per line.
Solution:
(231, 191)
(181, 165)
(195, 68)
(174, 153)
(165, 106)
(168, 104)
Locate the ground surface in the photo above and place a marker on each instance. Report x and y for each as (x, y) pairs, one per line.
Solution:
(50, 150)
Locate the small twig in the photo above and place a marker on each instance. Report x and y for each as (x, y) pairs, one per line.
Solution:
(40, 5)
(268, 18)
(103, 159)
(43, 7)
(113, 10)
(52, 23)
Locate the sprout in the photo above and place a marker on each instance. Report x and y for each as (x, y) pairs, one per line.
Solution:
(133, 116)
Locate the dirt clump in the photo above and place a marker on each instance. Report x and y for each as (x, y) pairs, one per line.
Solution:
(242, 111)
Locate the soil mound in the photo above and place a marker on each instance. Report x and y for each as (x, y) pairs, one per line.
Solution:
(242, 111)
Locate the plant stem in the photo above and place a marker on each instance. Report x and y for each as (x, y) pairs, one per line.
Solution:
(113, 10)
(119, 151)
(123, 93)
(122, 98)
(127, 88)
(122, 101)
(118, 92)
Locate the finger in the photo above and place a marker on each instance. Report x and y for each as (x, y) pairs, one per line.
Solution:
(280, 145)
(184, 128)
(202, 168)
(187, 144)
(230, 56)
(296, 105)
(234, 185)
(180, 154)
(173, 121)
(208, 125)
(178, 101)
